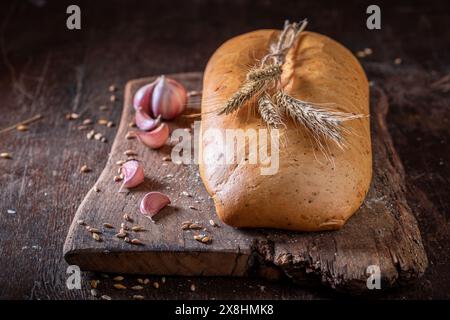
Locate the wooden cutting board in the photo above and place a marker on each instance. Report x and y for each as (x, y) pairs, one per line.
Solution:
(383, 232)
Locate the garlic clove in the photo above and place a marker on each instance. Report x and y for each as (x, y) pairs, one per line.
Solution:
(143, 97)
(133, 173)
(169, 98)
(144, 121)
(152, 203)
(156, 138)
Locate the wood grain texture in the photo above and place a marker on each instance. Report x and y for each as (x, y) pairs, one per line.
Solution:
(383, 232)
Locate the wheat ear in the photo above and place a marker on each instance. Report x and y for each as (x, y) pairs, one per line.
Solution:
(320, 122)
(247, 91)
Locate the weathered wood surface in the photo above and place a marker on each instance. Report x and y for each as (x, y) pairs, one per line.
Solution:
(45, 68)
(383, 232)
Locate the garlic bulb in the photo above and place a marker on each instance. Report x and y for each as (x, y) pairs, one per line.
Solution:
(156, 138)
(152, 203)
(169, 98)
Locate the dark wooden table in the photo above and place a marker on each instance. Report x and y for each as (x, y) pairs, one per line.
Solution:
(47, 69)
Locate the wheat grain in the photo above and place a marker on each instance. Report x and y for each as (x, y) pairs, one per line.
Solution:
(269, 112)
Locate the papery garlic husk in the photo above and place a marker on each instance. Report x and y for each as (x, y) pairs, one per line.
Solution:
(144, 121)
(169, 98)
(143, 98)
(133, 173)
(156, 138)
(152, 203)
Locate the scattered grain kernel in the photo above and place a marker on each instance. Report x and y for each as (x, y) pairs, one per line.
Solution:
(81, 222)
(94, 292)
(106, 297)
(163, 279)
(112, 88)
(22, 127)
(94, 283)
(192, 287)
(156, 285)
(103, 139)
(87, 121)
(83, 127)
(119, 286)
(72, 116)
(127, 217)
(124, 226)
(192, 208)
(117, 178)
(103, 108)
(206, 239)
(90, 134)
(195, 226)
(137, 288)
(112, 98)
(5, 155)
(96, 189)
(118, 278)
(137, 228)
(126, 239)
(130, 153)
(398, 61)
(98, 136)
(84, 168)
(137, 242)
(108, 225)
(121, 235)
(166, 158)
(110, 124)
(368, 51)
(138, 297)
(360, 54)
(185, 225)
(213, 223)
(94, 230)
(130, 135)
(96, 237)
(203, 238)
(139, 280)
(146, 281)
(102, 122)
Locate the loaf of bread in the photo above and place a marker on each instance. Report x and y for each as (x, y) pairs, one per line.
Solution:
(310, 191)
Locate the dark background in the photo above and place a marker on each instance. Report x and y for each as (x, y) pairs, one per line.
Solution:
(45, 68)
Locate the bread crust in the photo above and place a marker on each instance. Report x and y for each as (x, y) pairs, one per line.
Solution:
(308, 193)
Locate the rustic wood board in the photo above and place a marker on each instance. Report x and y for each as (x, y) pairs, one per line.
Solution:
(383, 232)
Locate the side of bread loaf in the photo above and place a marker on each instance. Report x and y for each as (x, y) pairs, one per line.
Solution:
(309, 192)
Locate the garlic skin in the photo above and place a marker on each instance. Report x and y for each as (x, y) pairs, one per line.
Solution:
(133, 173)
(156, 138)
(152, 203)
(143, 98)
(144, 121)
(169, 98)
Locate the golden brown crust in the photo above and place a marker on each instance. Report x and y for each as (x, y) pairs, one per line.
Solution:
(308, 193)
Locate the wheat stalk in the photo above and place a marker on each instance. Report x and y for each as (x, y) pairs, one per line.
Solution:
(320, 122)
(269, 111)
